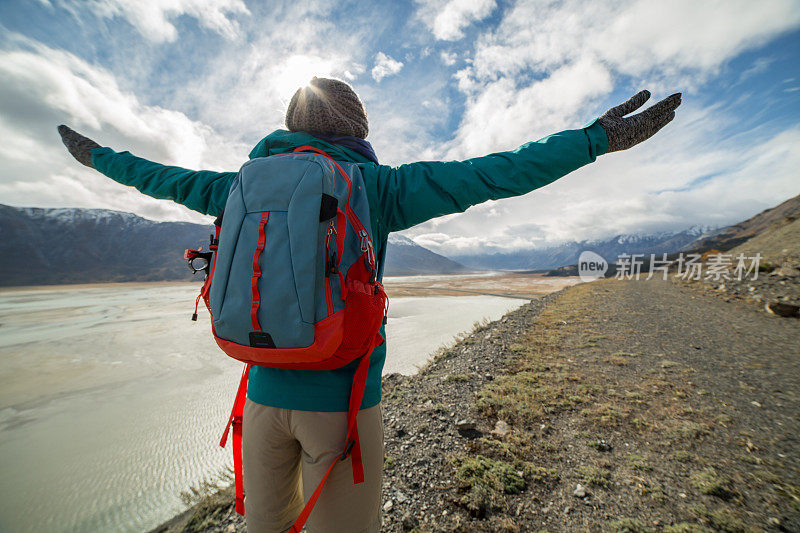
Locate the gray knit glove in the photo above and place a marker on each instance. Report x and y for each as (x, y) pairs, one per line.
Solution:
(79, 146)
(624, 132)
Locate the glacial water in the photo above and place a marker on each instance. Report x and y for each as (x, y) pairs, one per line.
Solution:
(112, 401)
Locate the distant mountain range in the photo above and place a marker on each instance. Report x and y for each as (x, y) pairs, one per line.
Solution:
(785, 217)
(71, 245)
(567, 253)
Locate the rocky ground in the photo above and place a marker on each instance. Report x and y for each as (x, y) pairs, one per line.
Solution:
(638, 406)
(775, 284)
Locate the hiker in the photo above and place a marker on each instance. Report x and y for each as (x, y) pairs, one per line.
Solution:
(294, 420)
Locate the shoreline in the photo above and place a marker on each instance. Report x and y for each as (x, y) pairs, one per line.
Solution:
(523, 285)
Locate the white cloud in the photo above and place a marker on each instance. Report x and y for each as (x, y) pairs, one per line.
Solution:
(502, 115)
(152, 18)
(247, 98)
(385, 66)
(685, 175)
(447, 20)
(549, 66)
(641, 38)
(44, 87)
(448, 58)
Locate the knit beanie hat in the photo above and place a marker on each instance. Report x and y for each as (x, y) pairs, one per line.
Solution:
(329, 107)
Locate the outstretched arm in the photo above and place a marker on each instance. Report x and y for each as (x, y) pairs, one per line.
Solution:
(416, 192)
(200, 190)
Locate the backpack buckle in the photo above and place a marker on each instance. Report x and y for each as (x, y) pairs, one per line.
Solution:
(331, 268)
(347, 450)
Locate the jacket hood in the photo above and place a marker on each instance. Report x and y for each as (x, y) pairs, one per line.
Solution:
(282, 141)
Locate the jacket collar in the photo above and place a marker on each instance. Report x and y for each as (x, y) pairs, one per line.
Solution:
(282, 141)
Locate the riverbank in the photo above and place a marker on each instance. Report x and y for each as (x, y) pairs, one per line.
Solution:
(611, 406)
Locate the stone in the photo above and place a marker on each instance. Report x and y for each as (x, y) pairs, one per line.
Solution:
(409, 522)
(788, 270)
(465, 425)
(603, 446)
(501, 429)
(580, 491)
(782, 309)
(388, 506)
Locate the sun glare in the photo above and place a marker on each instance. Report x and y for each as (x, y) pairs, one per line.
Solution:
(297, 71)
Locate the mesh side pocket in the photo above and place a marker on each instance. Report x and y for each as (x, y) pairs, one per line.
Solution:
(364, 309)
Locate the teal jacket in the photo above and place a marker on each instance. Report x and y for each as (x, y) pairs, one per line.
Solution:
(399, 197)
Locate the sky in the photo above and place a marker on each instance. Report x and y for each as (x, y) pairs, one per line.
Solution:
(197, 83)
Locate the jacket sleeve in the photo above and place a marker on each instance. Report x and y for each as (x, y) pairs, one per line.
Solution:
(416, 192)
(200, 190)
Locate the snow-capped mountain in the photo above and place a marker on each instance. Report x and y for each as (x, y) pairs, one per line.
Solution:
(71, 245)
(404, 257)
(41, 246)
(568, 253)
(632, 238)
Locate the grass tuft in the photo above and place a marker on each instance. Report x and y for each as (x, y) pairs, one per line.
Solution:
(709, 481)
(484, 481)
(628, 525)
(721, 519)
(211, 499)
(593, 475)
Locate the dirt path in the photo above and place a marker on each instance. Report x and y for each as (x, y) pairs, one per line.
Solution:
(675, 410)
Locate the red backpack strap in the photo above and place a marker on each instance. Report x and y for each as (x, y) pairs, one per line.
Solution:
(308, 148)
(352, 445)
(235, 422)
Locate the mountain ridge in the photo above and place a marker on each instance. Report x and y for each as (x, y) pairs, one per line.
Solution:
(49, 246)
(553, 257)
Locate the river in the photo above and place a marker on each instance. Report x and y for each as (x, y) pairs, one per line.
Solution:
(112, 400)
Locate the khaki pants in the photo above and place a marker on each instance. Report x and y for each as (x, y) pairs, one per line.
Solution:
(286, 451)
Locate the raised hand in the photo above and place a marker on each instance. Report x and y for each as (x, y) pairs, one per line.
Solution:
(624, 132)
(79, 146)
